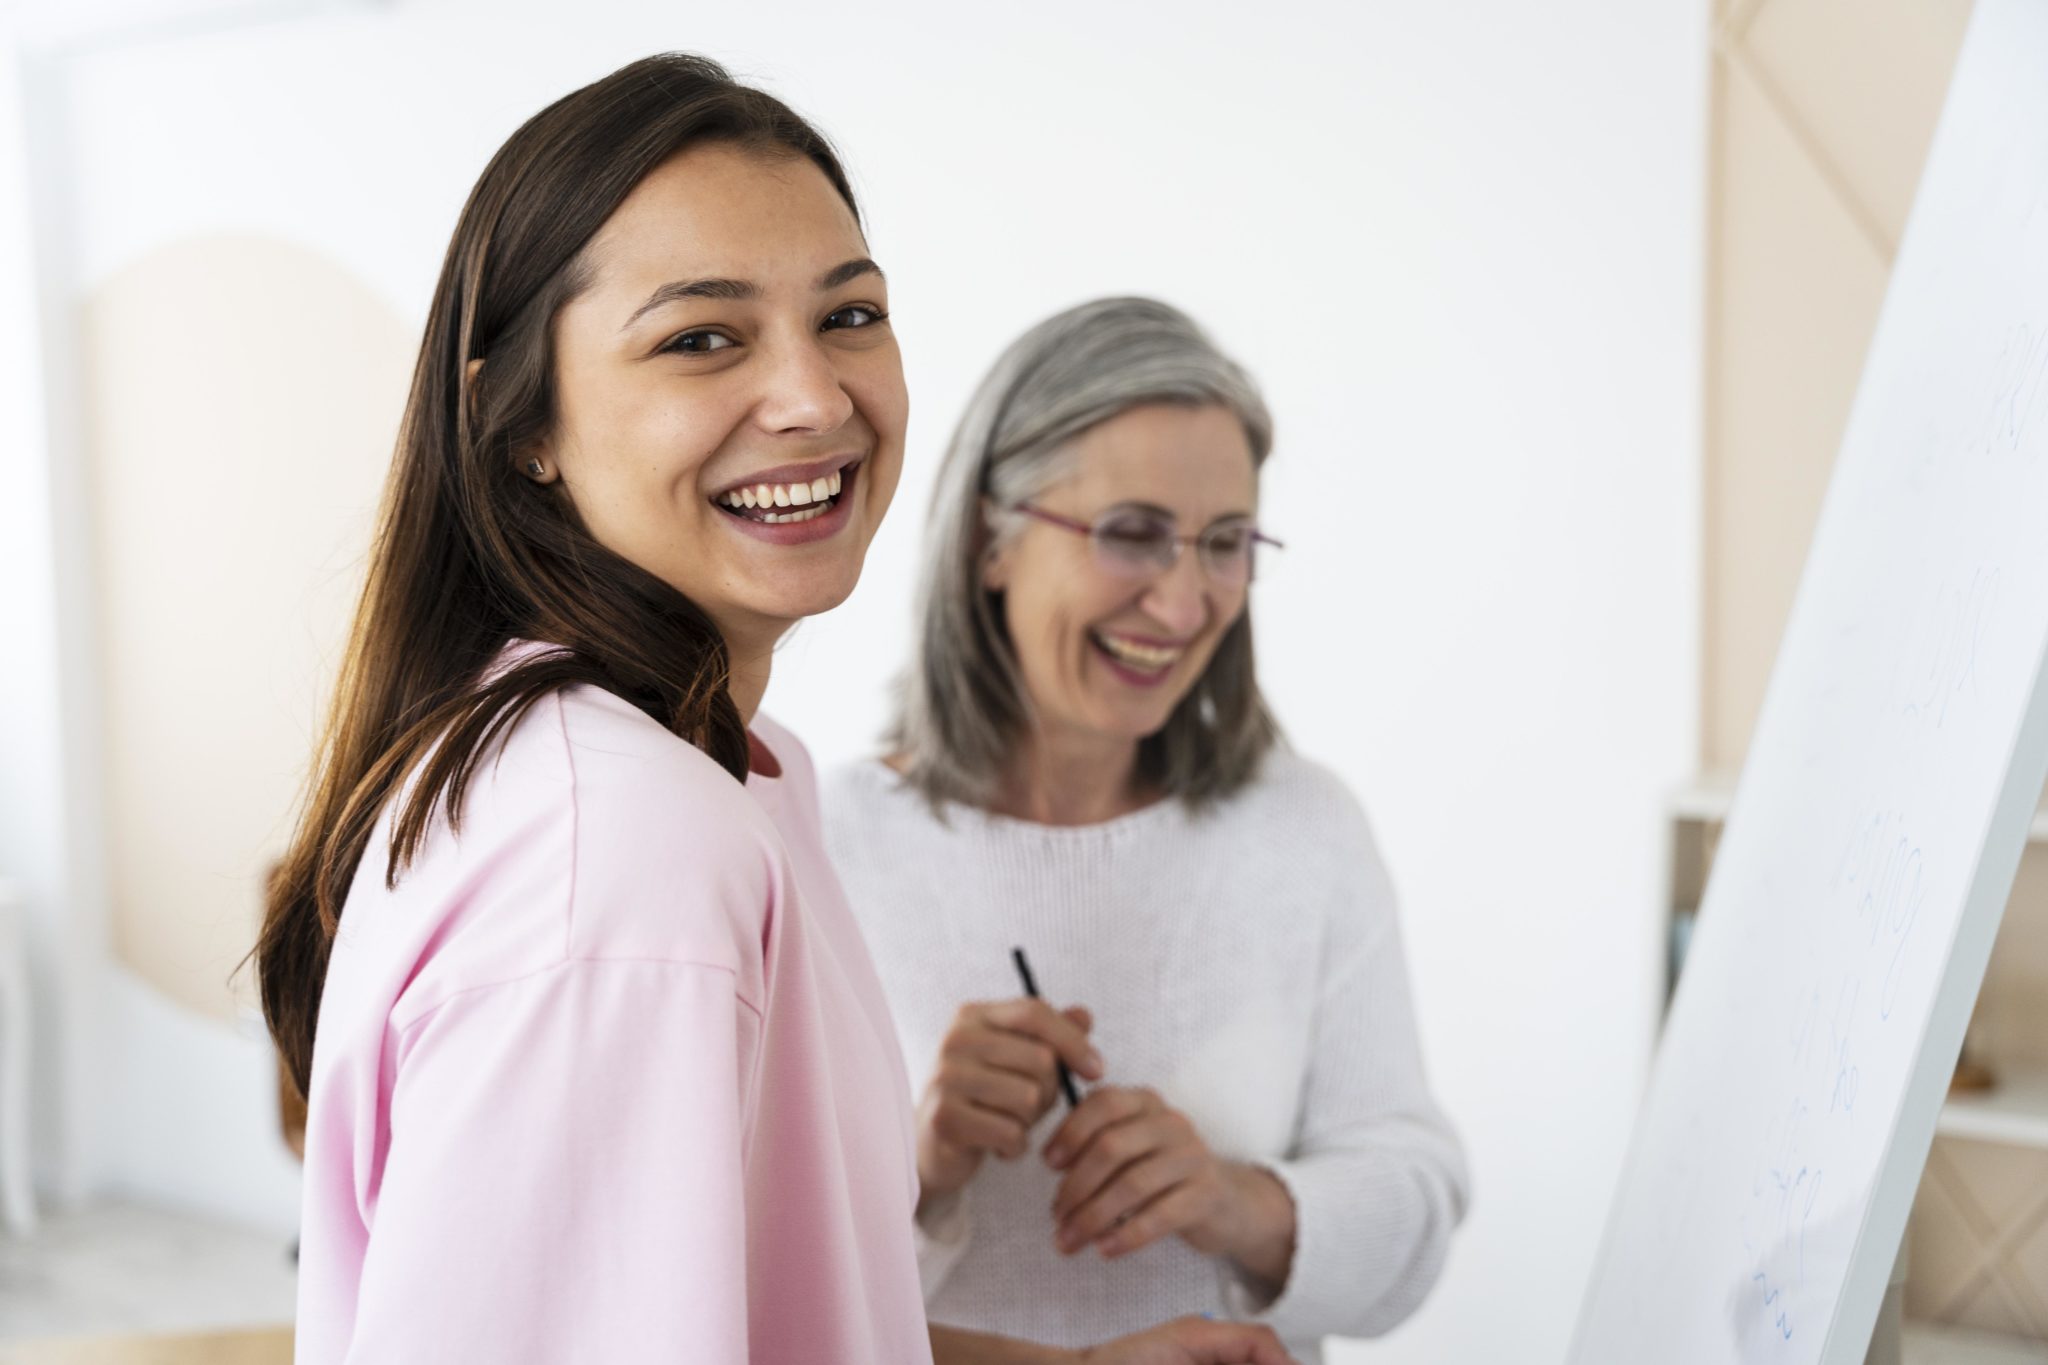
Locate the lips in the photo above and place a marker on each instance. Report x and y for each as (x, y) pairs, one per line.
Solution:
(789, 485)
(1138, 653)
(1136, 660)
(776, 514)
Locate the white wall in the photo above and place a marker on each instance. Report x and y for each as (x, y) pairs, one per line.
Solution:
(1457, 243)
(49, 847)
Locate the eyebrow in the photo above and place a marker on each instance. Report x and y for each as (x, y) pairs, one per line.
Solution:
(847, 271)
(742, 290)
(1168, 514)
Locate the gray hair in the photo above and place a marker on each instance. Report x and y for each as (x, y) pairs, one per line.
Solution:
(962, 706)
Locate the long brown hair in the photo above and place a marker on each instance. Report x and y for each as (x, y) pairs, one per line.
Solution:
(470, 554)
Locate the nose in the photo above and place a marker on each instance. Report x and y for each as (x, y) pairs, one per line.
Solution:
(1179, 598)
(801, 392)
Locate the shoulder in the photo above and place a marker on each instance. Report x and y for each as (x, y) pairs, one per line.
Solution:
(587, 833)
(586, 747)
(858, 786)
(1306, 818)
(1296, 792)
(623, 760)
(673, 860)
(867, 805)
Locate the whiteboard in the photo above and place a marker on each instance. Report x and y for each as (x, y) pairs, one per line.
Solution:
(1882, 812)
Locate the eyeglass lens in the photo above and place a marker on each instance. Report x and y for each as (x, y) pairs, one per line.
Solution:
(1135, 543)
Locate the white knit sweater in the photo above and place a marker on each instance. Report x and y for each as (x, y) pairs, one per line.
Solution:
(1246, 964)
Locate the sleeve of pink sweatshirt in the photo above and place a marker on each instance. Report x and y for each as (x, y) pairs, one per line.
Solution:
(564, 1179)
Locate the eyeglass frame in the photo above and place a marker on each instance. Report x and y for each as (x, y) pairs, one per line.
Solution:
(1088, 529)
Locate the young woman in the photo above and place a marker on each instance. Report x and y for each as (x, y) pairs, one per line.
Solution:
(1083, 766)
(602, 1071)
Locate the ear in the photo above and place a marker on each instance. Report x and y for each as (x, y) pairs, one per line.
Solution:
(533, 461)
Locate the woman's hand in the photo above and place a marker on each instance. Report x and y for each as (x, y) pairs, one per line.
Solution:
(1137, 1171)
(996, 1077)
(1184, 1341)
(1192, 1341)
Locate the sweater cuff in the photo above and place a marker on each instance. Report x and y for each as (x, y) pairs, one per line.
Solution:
(940, 1232)
(1366, 1251)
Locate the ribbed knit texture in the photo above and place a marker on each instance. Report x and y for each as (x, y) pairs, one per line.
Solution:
(1245, 963)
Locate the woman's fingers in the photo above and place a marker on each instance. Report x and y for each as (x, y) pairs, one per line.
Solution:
(1015, 1054)
(1104, 1107)
(1004, 1067)
(971, 1127)
(1123, 1196)
(1036, 1019)
(1016, 1093)
(1123, 1140)
(1233, 1343)
(1193, 1341)
(1181, 1206)
(996, 1077)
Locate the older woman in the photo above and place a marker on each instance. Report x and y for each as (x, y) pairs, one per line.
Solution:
(1082, 766)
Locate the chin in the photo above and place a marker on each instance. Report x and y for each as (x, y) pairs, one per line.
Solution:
(795, 606)
(795, 589)
(1131, 728)
(1150, 727)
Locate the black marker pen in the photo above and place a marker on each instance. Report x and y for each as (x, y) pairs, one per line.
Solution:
(1031, 989)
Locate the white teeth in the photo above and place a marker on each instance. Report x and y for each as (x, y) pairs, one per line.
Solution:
(1150, 657)
(786, 495)
(808, 514)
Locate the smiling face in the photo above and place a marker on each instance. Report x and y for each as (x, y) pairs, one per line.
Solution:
(730, 400)
(1106, 656)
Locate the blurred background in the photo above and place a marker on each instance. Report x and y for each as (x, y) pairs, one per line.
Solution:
(1559, 309)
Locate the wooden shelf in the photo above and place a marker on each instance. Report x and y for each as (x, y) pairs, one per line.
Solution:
(1705, 799)
(2015, 1112)
(1927, 1344)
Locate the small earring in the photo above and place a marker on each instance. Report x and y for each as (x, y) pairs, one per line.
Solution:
(536, 468)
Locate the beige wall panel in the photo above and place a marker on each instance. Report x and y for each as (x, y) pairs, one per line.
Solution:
(1798, 286)
(2026, 1260)
(1944, 1238)
(1732, 16)
(242, 398)
(1865, 80)
(1978, 1235)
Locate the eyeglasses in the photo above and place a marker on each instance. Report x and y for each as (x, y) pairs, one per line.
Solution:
(1138, 542)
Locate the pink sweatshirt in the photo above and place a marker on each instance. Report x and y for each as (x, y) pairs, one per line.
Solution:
(609, 1078)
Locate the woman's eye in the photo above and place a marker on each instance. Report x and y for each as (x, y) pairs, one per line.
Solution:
(697, 343)
(1133, 533)
(855, 315)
